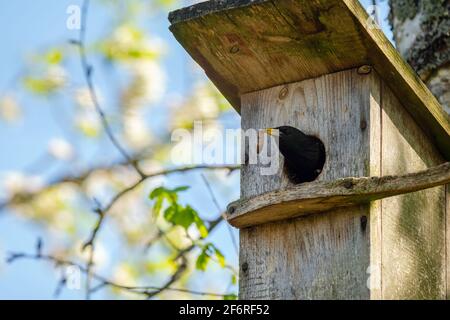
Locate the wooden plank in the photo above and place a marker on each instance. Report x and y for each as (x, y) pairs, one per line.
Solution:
(247, 46)
(447, 238)
(322, 196)
(316, 257)
(319, 256)
(375, 219)
(413, 225)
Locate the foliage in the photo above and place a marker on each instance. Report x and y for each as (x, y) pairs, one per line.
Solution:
(73, 194)
(175, 213)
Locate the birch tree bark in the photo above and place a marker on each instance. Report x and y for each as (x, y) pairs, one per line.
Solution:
(422, 34)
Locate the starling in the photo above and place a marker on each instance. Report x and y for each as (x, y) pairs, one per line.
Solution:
(304, 155)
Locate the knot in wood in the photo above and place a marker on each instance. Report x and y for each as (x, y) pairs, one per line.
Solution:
(348, 184)
(363, 125)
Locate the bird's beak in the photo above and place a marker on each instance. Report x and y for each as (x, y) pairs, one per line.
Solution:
(271, 131)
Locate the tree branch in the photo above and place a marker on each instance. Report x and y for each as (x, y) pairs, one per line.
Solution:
(147, 291)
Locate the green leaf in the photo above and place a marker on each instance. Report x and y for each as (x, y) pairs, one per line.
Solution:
(209, 250)
(200, 225)
(203, 230)
(41, 86)
(156, 193)
(54, 56)
(180, 216)
(180, 189)
(202, 261)
(230, 297)
(220, 257)
(170, 194)
(157, 207)
(233, 279)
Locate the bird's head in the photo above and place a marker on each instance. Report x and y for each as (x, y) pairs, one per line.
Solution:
(283, 131)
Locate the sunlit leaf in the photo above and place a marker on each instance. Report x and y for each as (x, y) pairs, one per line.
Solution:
(180, 189)
(128, 42)
(180, 216)
(54, 56)
(171, 196)
(207, 252)
(220, 257)
(157, 206)
(202, 261)
(201, 226)
(40, 86)
(233, 279)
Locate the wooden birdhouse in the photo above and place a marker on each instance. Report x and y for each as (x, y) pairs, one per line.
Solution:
(374, 223)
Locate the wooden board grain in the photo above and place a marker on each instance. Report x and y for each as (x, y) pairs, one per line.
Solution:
(447, 240)
(319, 197)
(318, 256)
(247, 46)
(413, 225)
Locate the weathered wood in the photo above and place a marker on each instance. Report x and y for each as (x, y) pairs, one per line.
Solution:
(318, 256)
(247, 46)
(259, 54)
(447, 239)
(413, 225)
(374, 221)
(322, 196)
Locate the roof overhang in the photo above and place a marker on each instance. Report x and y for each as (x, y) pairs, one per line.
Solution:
(246, 46)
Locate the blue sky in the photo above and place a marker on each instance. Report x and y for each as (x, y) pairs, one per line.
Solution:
(28, 25)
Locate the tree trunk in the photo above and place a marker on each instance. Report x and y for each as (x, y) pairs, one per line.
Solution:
(422, 34)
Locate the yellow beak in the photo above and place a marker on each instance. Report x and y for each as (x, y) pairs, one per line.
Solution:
(271, 131)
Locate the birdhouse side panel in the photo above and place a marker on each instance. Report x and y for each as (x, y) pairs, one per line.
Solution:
(413, 239)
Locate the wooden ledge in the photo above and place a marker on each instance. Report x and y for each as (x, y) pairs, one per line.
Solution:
(318, 197)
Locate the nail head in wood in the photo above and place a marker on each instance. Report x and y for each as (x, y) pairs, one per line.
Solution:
(283, 93)
(234, 49)
(366, 69)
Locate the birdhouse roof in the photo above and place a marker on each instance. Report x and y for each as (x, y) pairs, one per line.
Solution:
(250, 45)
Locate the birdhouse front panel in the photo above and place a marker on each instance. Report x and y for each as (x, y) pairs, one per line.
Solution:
(319, 253)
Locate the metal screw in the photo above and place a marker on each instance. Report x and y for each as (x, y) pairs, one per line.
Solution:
(234, 49)
(366, 69)
(245, 267)
(363, 124)
(283, 93)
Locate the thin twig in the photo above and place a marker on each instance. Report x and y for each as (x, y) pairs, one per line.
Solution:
(216, 203)
(103, 281)
(88, 70)
(19, 198)
(132, 187)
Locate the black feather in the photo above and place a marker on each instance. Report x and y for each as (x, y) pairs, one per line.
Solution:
(304, 155)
